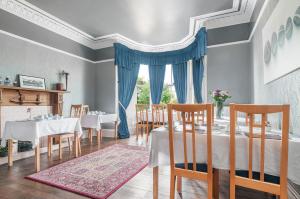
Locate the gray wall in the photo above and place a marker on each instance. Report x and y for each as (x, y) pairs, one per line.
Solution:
(228, 34)
(106, 84)
(21, 57)
(18, 26)
(283, 90)
(228, 68)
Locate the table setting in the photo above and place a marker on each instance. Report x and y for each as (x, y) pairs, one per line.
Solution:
(159, 147)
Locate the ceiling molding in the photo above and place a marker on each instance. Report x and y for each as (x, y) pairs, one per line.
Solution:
(240, 12)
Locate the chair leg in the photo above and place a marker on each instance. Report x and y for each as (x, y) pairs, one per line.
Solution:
(79, 146)
(49, 146)
(232, 191)
(179, 184)
(101, 135)
(216, 183)
(147, 132)
(172, 186)
(69, 143)
(137, 131)
(59, 147)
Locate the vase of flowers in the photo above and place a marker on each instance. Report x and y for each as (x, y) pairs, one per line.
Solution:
(219, 97)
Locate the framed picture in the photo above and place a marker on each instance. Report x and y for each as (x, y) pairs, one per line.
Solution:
(32, 82)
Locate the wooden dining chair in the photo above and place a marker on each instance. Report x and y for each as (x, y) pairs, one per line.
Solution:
(255, 123)
(76, 112)
(142, 121)
(200, 117)
(276, 185)
(158, 115)
(86, 109)
(190, 168)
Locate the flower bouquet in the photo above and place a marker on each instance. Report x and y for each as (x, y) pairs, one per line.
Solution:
(219, 97)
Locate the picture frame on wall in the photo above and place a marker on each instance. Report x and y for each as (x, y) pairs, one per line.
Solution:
(32, 82)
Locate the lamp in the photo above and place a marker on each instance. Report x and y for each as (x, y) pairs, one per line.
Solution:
(65, 74)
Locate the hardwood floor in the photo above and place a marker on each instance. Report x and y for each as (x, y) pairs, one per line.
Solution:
(14, 186)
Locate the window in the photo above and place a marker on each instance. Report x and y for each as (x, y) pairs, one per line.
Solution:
(169, 93)
(143, 86)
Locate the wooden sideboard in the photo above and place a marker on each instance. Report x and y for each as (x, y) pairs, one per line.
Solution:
(17, 96)
(13, 96)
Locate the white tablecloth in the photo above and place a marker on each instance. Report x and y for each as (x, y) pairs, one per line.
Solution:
(220, 141)
(34, 130)
(94, 121)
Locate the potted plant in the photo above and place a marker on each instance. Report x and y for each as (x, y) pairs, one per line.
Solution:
(219, 97)
(3, 151)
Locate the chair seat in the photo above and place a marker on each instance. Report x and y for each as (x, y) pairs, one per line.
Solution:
(256, 176)
(199, 167)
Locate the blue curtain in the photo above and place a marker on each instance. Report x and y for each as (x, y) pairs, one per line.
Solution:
(127, 77)
(126, 57)
(129, 60)
(198, 69)
(180, 81)
(157, 76)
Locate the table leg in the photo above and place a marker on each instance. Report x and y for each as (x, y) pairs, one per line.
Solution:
(10, 152)
(155, 182)
(60, 147)
(216, 174)
(90, 135)
(49, 146)
(37, 158)
(99, 137)
(76, 145)
(116, 130)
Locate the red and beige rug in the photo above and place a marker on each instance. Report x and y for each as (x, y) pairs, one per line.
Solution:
(99, 174)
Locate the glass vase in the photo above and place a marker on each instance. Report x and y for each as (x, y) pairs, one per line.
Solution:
(220, 106)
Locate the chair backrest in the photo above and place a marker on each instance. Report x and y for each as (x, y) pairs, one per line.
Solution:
(76, 110)
(255, 124)
(158, 115)
(188, 113)
(200, 117)
(86, 109)
(249, 182)
(142, 111)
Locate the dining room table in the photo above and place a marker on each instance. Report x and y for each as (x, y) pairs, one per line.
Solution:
(159, 150)
(34, 129)
(94, 120)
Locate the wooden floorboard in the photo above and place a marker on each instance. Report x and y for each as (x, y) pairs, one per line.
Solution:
(14, 186)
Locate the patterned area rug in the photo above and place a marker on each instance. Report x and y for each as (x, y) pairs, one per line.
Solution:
(99, 174)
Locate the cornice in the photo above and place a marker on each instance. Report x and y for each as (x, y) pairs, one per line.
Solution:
(240, 12)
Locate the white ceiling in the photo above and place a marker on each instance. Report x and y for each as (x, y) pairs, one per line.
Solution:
(147, 25)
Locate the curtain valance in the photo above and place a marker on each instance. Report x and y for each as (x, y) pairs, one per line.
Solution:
(126, 57)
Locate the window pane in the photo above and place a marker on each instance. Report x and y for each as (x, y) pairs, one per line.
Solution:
(168, 95)
(143, 85)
